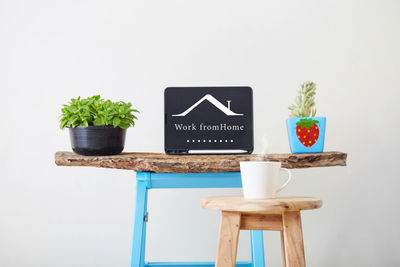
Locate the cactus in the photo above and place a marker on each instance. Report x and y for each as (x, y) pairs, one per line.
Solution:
(304, 103)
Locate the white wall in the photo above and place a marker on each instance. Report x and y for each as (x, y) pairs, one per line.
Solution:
(51, 51)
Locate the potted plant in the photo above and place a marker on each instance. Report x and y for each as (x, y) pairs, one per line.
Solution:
(97, 126)
(306, 132)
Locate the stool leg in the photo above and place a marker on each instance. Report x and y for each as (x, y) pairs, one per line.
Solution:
(139, 227)
(257, 248)
(293, 239)
(228, 239)
(283, 249)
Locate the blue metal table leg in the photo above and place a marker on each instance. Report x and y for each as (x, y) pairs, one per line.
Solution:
(257, 248)
(143, 247)
(139, 227)
(147, 180)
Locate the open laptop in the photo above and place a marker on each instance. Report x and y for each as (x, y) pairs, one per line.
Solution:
(208, 120)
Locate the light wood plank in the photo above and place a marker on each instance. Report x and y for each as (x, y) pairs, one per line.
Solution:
(228, 239)
(272, 222)
(283, 250)
(293, 239)
(163, 163)
(269, 205)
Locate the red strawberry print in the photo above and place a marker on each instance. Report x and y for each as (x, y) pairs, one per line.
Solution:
(307, 131)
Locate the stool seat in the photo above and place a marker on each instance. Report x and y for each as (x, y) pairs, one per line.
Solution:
(269, 205)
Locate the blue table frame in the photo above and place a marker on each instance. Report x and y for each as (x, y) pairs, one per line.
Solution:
(150, 180)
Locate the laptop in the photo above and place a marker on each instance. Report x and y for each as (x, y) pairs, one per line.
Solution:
(208, 120)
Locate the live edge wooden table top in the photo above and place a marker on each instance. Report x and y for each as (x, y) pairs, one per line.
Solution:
(163, 163)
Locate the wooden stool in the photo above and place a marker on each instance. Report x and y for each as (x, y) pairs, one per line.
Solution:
(277, 214)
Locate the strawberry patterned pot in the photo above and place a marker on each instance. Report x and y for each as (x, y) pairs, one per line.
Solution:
(306, 134)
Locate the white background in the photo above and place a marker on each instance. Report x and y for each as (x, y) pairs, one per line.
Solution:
(51, 51)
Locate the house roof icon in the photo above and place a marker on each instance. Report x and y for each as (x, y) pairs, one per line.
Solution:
(213, 101)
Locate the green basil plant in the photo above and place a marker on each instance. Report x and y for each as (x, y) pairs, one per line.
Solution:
(98, 112)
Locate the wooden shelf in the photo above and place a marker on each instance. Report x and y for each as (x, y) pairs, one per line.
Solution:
(163, 163)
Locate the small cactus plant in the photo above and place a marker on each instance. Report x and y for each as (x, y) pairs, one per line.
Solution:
(304, 103)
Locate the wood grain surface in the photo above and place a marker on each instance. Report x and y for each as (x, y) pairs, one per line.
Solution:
(293, 239)
(163, 163)
(271, 222)
(228, 238)
(269, 205)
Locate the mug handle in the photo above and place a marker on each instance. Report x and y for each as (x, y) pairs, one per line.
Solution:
(288, 180)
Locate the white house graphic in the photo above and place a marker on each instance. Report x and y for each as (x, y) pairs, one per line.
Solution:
(215, 102)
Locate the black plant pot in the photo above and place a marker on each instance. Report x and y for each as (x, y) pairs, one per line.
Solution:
(97, 140)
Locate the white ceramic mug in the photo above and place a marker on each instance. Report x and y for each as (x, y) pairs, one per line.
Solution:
(260, 179)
